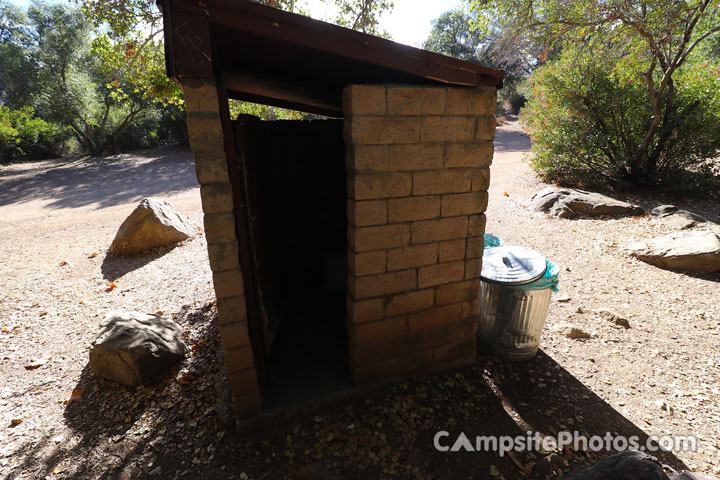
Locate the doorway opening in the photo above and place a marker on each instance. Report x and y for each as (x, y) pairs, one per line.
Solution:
(294, 177)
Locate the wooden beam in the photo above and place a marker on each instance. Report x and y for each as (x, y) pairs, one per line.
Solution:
(243, 86)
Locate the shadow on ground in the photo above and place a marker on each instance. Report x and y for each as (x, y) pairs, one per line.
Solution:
(178, 430)
(100, 181)
(116, 266)
(116, 432)
(512, 140)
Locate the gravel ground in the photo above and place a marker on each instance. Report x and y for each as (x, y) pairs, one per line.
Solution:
(57, 219)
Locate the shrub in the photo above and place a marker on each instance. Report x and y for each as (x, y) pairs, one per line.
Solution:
(588, 114)
(24, 136)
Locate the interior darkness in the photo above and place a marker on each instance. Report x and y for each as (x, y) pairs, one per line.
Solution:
(301, 215)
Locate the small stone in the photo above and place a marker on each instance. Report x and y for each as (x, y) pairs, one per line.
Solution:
(614, 318)
(16, 421)
(562, 299)
(579, 310)
(155, 471)
(570, 331)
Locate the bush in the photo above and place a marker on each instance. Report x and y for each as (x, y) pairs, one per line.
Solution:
(24, 136)
(158, 126)
(588, 115)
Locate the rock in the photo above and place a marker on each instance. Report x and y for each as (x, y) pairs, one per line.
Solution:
(614, 318)
(674, 217)
(572, 203)
(626, 465)
(696, 251)
(153, 223)
(133, 348)
(663, 210)
(570, 331)
(562, 299)
(664, 405)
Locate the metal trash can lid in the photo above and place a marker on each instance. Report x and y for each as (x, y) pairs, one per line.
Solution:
(512, 265)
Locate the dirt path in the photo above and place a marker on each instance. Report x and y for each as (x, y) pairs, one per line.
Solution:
(659, 376)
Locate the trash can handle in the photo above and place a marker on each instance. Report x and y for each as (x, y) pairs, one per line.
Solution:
(507, 261)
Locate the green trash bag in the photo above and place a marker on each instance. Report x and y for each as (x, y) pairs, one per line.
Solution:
(549, 280)
(492, 241)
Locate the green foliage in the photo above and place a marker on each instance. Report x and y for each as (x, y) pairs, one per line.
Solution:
(22, 135)
(74, 88)
(17, 70)
(453, 35)
(654, 39)
(361, 15)
(590, 112)
(129, 46)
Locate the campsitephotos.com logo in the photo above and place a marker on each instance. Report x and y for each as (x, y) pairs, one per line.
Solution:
(536, 442)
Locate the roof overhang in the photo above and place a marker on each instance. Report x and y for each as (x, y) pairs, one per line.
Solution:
(265, 55)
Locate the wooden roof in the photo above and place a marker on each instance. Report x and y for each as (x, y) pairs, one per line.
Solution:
(265, 55)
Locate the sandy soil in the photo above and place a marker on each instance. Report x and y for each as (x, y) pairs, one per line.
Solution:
(58, 217)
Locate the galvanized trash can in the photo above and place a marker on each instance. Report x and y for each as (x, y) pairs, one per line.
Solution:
(511, 317)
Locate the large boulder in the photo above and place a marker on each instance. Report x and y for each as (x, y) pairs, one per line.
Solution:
(133, 348)
(696, 251)
(626, 465)
(675, 217)
(153, 223)
(632, 465)
(573, 203)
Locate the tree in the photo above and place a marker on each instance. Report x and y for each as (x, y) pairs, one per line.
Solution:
(455, 35)
(73, 89)
(586, 118)
(131, 42)
(17, 70)
(452, 34)
(657, 37)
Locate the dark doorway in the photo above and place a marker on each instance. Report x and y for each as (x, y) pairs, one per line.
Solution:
(294, 179)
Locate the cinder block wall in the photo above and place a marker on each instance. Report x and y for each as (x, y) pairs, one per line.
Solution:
(418, 162)
(206, 119)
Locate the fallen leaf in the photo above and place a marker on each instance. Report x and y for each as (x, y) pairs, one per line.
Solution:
(93, 255)
(110, 287)
(494, 472)
(35, 364)
(506, 194)
(75, 397)
(186, 378)
(63, 263)
(57, 469)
